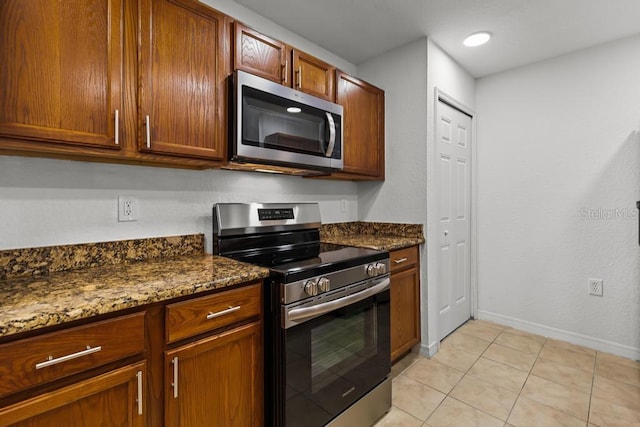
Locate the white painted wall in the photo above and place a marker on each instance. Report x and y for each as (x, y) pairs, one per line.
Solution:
(559, 141)
(51, 202)
(402, 74)
(409, 76)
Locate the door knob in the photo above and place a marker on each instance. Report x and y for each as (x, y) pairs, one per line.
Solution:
(446, 232)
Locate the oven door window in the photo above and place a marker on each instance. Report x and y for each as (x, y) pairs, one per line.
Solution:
(273, 122)
(333, 360)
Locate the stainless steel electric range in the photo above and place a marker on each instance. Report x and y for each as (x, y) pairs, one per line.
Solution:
(327, 338)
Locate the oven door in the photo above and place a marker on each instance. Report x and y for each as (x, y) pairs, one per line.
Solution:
(332, 360)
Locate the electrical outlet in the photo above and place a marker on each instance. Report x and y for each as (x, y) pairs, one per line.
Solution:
(127, 208)
(595, 287)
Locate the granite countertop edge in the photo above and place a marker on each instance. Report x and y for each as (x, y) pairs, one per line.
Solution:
(382, 243)
(35, 303)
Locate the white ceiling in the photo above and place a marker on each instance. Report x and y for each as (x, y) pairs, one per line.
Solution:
(524, 31)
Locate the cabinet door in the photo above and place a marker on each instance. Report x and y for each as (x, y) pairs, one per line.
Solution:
(181, 83)
(363, 127)
(216, 381)
(313, 76)
(61, 65)
(258, 54)
(111, 399)
(405, 311)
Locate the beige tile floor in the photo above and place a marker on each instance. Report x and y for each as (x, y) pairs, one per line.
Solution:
(489, 375)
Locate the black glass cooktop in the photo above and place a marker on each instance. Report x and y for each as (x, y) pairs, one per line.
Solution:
(299, 261)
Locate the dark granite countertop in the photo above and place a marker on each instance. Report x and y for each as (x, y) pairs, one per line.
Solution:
(27, 304)
(43, 287)
(374, 235)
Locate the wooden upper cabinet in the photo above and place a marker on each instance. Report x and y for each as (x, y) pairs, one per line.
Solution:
(182, 99)
(61, 66)
(363, 127)
(258, 54)
(313, 76)
(271, 59)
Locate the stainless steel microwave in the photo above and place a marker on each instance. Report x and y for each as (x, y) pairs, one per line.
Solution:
(279, 126)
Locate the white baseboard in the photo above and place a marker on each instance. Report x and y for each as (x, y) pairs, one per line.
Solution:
(560, 334)
(429, 350)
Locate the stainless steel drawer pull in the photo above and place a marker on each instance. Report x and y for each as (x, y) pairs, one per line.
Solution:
(223, 312)
(51, 361)
(116, 128)
(148, 126)
(400, 261)
(175, 377)
(139, 399)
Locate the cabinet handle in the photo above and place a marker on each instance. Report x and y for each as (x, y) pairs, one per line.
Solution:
(299, 75)
(400, 261)
(139, 400)
(51, 361)
(332, 135)
(175, 377)
(147, 123)
(223, 312)
(285, 67)
(117, 128)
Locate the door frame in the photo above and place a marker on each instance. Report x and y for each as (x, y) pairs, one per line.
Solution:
(441, 96)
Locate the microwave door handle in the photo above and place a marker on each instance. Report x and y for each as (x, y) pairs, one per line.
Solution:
(332, 135)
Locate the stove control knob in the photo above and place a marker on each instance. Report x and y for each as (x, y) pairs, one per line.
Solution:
(311, 287)
(324, 284)
(372, 270)
(381, 268)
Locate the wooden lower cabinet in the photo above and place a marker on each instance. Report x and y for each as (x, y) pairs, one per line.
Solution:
(405, 301)
(216, 381)
(193, 362)
(111, 399)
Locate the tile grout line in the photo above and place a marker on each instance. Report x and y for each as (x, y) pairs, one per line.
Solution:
(518, 394)
(527, 379)
(464, 375)
(593, 381)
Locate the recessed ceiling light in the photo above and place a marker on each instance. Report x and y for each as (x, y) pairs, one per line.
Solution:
(293, 110)
(477, 39)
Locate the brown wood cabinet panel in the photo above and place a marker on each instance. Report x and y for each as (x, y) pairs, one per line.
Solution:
(313, 76)
(195, 316)
(182, 79)
(403, 258)
(363, 127)
(219, 380)
(405, 302)
(258, 54)
(117, 338)
(61, 65)
(110, 399)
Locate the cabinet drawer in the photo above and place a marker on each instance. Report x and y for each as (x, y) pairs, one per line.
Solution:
(192, 317)
(403, 258)
(41, 359)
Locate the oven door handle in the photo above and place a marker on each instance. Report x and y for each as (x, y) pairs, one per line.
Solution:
(317, 310)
